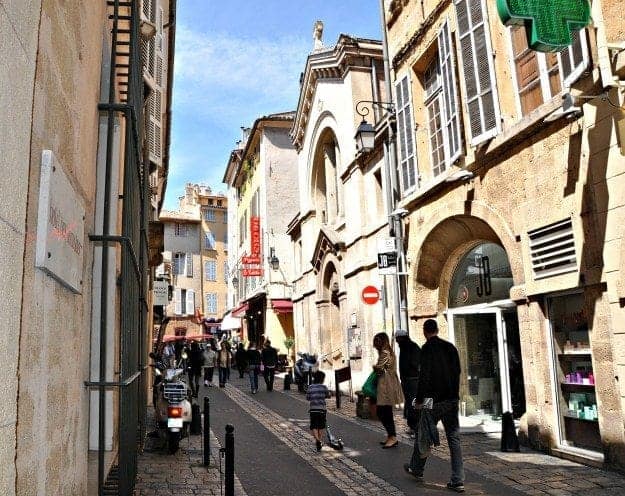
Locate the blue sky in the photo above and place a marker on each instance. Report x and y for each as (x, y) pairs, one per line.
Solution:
(238, 60)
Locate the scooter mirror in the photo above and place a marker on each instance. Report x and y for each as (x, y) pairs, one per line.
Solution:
(157, 372)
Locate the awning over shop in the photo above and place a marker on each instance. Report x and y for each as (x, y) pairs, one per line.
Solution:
(282, 306)
(229, 322)
(239, 311)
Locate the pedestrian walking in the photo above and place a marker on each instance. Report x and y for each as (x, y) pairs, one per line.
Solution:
(439, 380)
(269, 360)
(389, 391)
(409, 365)
(196, 360)
(240, 357)
(316, 395)
(224, 361)
(253, 364)
(210, 362)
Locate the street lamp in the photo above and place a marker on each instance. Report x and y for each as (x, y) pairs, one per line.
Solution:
(365, 137)
(235, 282)
(273, 260)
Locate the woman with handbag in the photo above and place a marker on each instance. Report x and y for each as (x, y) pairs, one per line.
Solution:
(389, 391)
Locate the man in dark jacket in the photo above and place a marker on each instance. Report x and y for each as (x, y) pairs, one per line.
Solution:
(409, 364)
(439, 380)
(269, 357)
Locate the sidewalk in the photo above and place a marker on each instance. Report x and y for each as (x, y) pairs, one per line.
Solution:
(529, 471)
(162, 474)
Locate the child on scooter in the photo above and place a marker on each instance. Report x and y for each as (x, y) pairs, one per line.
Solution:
(316, 395)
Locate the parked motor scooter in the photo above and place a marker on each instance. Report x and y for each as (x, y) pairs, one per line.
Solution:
(172, 407)
(305, 366)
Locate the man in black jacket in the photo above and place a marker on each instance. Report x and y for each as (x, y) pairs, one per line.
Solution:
(269, 357)
(409, 364)
(440, 380)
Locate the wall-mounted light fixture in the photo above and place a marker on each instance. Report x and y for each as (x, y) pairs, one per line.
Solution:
(365, 134)
(273, 260)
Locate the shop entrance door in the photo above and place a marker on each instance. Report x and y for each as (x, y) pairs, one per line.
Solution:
(491, 378)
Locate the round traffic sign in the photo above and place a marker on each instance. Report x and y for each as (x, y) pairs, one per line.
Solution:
(370, 295)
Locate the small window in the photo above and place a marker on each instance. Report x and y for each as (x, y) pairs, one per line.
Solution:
(541, 76)
(179, 263)
(209, 215)
(209, 241)
(180, 229)
(210, 270)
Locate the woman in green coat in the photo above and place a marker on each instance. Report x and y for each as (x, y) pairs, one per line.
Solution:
(389, 391)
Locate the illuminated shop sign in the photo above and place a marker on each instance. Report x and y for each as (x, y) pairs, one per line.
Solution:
(549, 23)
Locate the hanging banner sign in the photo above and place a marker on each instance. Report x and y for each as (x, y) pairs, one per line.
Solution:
(255, 235)
(549, 23)
(253, 260)
(252, 272)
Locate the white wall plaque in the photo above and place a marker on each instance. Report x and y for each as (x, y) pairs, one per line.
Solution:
(160, 291)
(60, 225)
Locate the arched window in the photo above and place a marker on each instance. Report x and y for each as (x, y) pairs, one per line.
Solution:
(483, 275)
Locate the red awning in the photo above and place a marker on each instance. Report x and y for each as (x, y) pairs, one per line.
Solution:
(282, 306)
(240, 310)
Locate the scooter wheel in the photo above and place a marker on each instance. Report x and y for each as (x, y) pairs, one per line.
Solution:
(173, 442)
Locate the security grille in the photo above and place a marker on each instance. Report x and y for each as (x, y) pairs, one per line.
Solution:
(552, 249)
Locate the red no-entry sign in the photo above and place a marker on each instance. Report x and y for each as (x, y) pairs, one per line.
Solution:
(370, 295)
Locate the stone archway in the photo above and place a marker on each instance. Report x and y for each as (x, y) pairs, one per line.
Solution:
(325, 180)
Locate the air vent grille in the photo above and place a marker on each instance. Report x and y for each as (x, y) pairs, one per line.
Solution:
(552, 249)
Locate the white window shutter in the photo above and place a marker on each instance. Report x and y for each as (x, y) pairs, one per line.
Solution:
(178, 301)
(189, 264)
(190, 303)
(450, 94)
(407, 169)
(478, 70)
(574, 60)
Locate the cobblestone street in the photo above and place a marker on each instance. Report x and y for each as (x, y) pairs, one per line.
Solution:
(280, 422)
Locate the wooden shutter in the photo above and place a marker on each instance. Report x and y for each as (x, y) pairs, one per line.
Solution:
(527, 71)
(450, 95)
(190, 303)
(478, 68)
(178, 301)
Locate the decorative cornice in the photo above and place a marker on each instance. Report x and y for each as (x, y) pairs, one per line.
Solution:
(414, 40)
(348, 54)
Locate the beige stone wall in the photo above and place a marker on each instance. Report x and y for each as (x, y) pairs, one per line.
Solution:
(53, 402)
(529, 176)
(18, 50)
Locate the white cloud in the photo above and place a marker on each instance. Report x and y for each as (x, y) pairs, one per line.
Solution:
(222, 71)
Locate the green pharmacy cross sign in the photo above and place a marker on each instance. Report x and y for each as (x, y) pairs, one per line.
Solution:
(549, 23)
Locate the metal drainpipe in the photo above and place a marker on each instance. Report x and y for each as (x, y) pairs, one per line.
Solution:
(106, 221)
(399, 310)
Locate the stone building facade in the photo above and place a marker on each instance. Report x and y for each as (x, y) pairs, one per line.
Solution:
(342, 208)
(56, 87)
(195, 260)
(261, 176)
(515, 241)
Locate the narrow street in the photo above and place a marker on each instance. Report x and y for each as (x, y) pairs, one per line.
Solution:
(275, 455)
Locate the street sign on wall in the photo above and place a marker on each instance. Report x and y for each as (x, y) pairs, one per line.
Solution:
(549, 23)
(387, 256)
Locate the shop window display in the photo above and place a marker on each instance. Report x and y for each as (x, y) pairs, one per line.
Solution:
(579, 423)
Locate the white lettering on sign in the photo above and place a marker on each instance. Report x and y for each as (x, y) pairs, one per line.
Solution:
(60, 225)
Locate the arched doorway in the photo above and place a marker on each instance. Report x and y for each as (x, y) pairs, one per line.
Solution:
(484, 326)
(331, 335)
